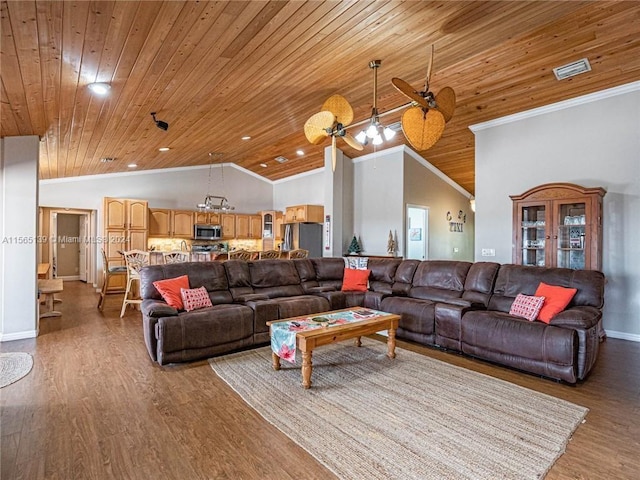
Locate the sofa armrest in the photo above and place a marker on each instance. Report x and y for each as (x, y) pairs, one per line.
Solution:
(157, 309)
(374, 299)
(448, 323)
(577, 318)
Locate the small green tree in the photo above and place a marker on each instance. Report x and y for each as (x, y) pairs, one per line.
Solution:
(355, 246)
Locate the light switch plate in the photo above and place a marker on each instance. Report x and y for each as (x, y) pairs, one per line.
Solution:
(488, 252)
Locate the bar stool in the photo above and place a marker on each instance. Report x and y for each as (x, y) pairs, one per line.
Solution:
(299, 253)
(109, 273)
(245, 255)
(177, 256)
(268, 254)
(135, 260)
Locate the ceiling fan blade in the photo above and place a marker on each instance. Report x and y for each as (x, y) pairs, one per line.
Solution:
(340, 107)
(446, 102)
(352, 142)
(315, 128)
(409, 91)
(429, 69)
(422, 130)
(334, 153)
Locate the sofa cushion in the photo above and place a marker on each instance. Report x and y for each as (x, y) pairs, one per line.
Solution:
(355, 280)
(526, 306)
(556, 300)
(170, 289)
(195, 298)
(439, 280)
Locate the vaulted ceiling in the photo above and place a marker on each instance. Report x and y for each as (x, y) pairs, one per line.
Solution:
(218, 71)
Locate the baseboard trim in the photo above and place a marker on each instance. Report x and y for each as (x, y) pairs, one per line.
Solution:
(9, 337)
(623, 335)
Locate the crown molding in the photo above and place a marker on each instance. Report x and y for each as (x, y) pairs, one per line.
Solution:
(554, 107)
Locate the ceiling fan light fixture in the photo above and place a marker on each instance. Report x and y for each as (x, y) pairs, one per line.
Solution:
(388, 133)
(377, 140)
(362, 137)
(372, 131)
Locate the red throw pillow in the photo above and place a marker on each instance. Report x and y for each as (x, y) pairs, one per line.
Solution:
(195, 298)
(170, 290)
(526, 306)
(556, 299)
(355, 280)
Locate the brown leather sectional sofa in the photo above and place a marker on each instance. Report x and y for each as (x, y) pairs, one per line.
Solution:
(459, 306)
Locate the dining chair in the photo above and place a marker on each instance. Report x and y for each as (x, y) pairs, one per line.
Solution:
(135, 260)
(298, 253)
(176, 256)
(241, 254)
(268, 254)
(109, 273)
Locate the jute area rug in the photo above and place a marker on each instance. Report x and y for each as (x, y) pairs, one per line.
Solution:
(369, 417)
(14, 366)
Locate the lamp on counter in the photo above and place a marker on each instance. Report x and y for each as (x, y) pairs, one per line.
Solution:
(375, 131)
(215, 203)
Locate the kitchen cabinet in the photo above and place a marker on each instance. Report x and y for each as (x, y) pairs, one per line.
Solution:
(207, 218)
(272, 222)
(170, 223)
(304, 213)
(125, 228)
(247, 226)
(228, 222)
(558, 225)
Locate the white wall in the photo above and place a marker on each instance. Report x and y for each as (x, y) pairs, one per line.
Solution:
(447, 201)
(18, 237)
(593, 141)
(303, 189)
(176, 188)
(378, 184)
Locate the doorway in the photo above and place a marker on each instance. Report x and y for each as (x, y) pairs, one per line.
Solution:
(417, 234)
(69, 251)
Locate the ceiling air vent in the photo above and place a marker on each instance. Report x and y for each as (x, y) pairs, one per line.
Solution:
(396, 127)
(572, 69)
(107, 159)
(281, 159)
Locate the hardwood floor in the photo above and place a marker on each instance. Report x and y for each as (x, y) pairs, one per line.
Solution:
(95, 407)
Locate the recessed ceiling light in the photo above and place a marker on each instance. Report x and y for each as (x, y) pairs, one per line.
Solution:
(99, 88)
(263, 165)
(246, 137)
(132, 165)
(300, 152)
(164, 149)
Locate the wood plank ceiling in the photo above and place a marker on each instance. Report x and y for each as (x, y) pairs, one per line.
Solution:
(217, 71)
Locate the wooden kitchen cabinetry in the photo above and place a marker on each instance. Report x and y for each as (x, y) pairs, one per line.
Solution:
(272, 222)
(304, 213)
(170, 223)
(248, 226)
(228, 222)
(207, 218)
(558, 225)
(125, 228)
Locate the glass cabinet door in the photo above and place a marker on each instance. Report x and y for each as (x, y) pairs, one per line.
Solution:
(267, 225)
(571, 236)
(533, 234)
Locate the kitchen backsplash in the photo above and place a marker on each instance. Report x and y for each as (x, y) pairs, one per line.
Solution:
(170, 244)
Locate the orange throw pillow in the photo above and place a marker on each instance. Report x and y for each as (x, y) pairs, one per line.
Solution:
(170, 290)
(355, 280)
(556, 300)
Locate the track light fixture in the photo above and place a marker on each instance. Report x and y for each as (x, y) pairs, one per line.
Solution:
(159, 123)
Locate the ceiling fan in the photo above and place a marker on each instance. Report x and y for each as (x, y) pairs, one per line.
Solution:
(336, 114)
(423, 124)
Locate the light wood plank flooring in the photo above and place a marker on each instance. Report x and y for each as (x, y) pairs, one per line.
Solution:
(96, 407)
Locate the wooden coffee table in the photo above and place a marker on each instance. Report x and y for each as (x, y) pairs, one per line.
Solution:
(308, 340)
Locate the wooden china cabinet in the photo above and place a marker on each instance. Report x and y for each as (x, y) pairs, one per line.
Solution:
(558, 225)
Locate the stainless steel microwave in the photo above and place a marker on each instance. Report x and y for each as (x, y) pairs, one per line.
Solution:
(207, 232)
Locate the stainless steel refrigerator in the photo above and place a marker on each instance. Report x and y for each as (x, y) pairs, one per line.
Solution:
(304, 235)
